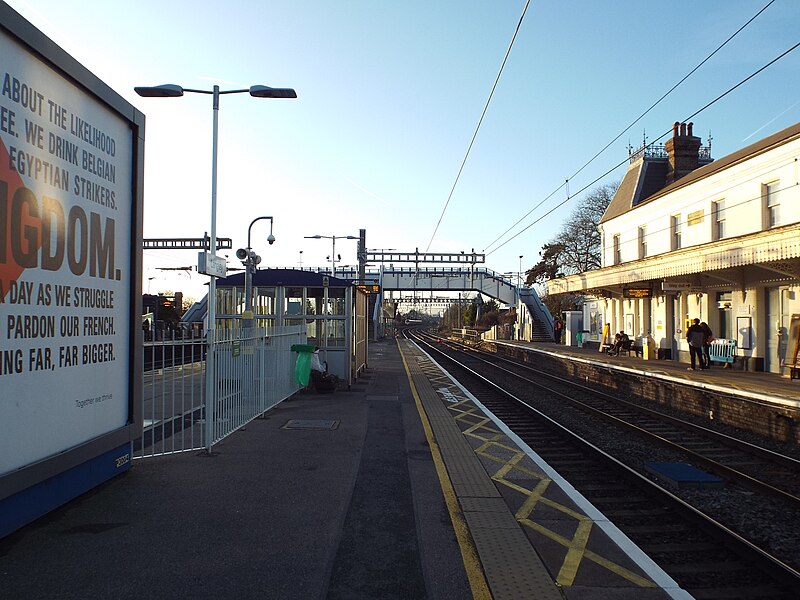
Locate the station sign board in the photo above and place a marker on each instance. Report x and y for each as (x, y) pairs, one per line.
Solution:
(695, 218)
(369, 289)
(637, 292)
(213, 265)
(677, 286)
(70, 258)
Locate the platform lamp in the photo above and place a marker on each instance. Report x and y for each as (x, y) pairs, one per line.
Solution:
(175, 91)
(333, 250)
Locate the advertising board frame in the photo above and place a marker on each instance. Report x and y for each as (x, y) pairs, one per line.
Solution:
(40, 486)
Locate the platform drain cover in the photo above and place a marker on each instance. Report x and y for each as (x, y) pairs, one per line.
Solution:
(310, 424)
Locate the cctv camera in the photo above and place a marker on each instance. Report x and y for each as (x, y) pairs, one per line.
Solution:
(241, 254)
(271, 239)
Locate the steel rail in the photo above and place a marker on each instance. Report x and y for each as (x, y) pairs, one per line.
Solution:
(741, 546)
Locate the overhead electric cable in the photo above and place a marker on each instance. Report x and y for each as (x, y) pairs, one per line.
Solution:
(639, 118)
(672, 89)
(480, 121)
(619, 164)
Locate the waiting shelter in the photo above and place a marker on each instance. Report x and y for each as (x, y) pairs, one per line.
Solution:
(333, 310)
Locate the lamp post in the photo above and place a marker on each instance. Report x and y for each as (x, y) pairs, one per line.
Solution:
(520, 270)
(175, 91)
(333, 250)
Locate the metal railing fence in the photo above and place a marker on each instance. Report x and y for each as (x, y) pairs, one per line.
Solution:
(254, 372)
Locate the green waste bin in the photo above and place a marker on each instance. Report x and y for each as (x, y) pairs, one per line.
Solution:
(302, 368)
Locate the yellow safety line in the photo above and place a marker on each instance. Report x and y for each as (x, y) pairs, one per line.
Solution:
(469, 554)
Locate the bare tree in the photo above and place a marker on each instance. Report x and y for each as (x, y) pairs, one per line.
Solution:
(576, 248)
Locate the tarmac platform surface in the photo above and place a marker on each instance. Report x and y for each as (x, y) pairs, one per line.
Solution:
(400, 487)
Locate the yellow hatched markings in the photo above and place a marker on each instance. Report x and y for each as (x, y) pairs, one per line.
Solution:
(481, 428)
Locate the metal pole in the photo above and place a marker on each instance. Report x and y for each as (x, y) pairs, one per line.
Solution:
(248, 287)
(211, 382)
(333, 257)
(250, 267)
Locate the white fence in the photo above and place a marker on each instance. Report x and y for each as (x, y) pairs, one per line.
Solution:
(254, 371)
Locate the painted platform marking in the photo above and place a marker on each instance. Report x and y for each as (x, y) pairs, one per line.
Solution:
(447, 395)
(495, 449)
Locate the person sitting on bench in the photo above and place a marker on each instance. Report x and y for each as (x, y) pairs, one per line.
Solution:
(620, 340)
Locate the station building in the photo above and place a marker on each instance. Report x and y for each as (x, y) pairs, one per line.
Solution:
(333, 310)
(689, 237)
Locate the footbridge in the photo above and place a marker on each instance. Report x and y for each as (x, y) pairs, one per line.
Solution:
(440, 280)
(534, 319)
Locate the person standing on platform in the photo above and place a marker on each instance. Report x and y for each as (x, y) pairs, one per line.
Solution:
(708, 337)
(559, 328)
(695, 337)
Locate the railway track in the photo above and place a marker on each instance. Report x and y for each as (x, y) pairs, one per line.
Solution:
(754, 467)
(706, 557)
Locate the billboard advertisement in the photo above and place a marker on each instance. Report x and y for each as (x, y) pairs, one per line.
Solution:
(68, 213)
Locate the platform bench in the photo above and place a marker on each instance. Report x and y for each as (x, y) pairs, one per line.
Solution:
(626, 347)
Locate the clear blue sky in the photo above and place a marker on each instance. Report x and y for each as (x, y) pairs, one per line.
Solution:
(390, 94)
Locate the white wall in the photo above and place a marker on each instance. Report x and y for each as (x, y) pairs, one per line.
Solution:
(740, 186)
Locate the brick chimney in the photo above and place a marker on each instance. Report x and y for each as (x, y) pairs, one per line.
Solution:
(682, 152)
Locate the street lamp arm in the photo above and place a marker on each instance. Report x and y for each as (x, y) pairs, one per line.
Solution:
(333, 238)
(168, 90)
(251, 227)
(262, 91)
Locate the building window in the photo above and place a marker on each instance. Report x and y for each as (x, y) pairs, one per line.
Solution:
(771, 205)
(718, 220)
(617, 251)
(675, 228)
(643, 242)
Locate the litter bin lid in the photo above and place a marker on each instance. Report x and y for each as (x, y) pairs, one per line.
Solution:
(303, 348)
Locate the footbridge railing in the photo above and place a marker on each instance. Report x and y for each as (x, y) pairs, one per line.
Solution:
(439, 279)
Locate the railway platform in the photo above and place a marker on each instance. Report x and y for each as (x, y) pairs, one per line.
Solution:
(767, 387)
(401, 487)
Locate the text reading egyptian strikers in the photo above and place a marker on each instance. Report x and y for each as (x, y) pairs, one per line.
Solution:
(45, 236)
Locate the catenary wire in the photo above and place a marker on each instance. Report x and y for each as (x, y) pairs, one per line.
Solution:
(477, 128)
(639, 118)
(619, 164)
